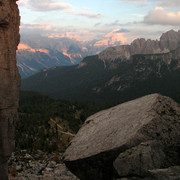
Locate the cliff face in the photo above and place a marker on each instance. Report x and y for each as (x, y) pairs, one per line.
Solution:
(169, 41)
(9, 81)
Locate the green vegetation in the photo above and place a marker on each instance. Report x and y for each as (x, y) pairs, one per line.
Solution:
(49, 124)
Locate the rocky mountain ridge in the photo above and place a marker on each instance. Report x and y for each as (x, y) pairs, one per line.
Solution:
(142, 67)
(97, 80)
(37, 52)
(168, 41)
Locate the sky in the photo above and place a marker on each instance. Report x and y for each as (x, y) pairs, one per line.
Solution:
(85, 20)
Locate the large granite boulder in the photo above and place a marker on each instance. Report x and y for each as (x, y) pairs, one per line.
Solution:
(142, 134)
(9, 81)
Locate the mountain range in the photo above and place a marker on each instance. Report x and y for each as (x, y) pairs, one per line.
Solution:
(37, 52)
(116, 74)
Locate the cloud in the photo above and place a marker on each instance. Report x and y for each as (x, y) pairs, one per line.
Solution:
(122, 31)
(78, 35)
(160, 17)
(132, 1)
(138, 2)
(71, 35)
(98, 24)
(115, 23)
(169, 3)
(87, 14)
(163, 3)
(112, 38)
(58, 32)
(37, 26)
(22, 47)
(138, 15)
(45, 5)
(86, 8)
(21, 3)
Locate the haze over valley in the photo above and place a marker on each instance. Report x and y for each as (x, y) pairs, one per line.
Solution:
(117, 74)
(57, 33)
(37, 52)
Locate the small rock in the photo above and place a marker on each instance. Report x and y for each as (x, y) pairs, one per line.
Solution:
(19, 168)
(51, 164)
(49, 169)
(171, 173)
(27, 156)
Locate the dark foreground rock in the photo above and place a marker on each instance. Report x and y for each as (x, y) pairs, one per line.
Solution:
(139, 159)
(9, 80)
(171, 173)
(127, 141)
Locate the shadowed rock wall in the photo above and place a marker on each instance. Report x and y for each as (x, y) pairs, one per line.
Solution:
(9, 80)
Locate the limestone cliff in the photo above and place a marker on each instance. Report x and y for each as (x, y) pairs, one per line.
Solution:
(9, 81)
(168, 41)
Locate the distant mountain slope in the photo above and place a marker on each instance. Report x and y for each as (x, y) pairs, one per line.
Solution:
(38, 52)
(30, 63)
(115, 80)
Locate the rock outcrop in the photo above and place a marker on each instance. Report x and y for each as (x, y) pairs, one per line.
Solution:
(169, 41)
(9, 81)
(127, 140)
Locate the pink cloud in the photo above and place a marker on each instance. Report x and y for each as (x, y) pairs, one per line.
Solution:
(79, 35)
(22, 47)
(70, 35)
(111, 39)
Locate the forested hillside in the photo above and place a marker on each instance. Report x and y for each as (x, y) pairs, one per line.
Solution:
(49, 124)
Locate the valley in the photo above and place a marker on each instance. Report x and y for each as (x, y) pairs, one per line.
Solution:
(64, 97)
(37, 52)
(125, 75)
